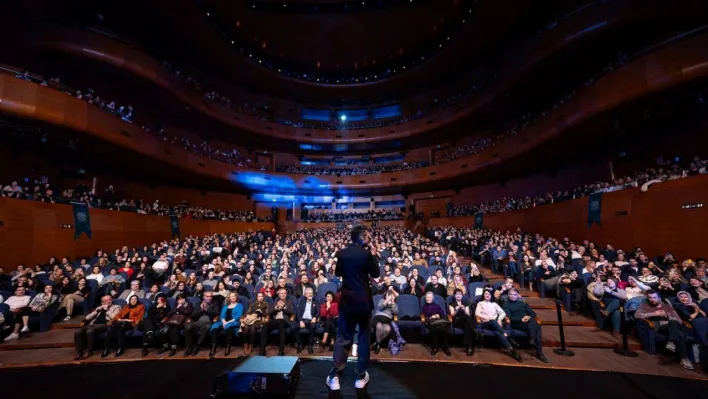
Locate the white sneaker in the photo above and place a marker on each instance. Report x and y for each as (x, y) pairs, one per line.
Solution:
(11, 337)
(333, 383)
(670, 346)
(24, 329)
(687, 364)
(361, 383)
(354, 349)
(67, 318)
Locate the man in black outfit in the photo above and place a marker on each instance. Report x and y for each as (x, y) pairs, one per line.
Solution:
(278, 318)
(355, 266)
(523, 318)
(201, 319)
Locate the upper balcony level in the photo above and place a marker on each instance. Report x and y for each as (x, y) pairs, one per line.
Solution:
(668, 66)
(386, 126)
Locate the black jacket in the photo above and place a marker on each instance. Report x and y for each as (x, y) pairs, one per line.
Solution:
(355, 266)
(212, 310)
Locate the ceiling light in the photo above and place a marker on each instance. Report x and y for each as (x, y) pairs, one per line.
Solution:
(342, 117)
(207, 14)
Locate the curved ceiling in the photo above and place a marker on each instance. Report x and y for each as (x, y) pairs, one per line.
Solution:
(339, 43)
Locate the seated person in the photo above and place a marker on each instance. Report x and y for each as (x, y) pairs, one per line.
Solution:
(112, 282)
(127, 319)
(255, 316)
(229, 322)
(200, 321)
(153, 318)
(385, 310)
(697, 290)
(435, 287)
(501, 294)
(387, 286)
(437, 324)
(636, 292)
(282, 283)
(134, 290)
(609, 294)
(413, 288)
(329, 315)
(174, 320)
(574, 300)
(180, 288)
(457, 283)
(664, 317)
(548, 274)
(306, 316)
(523, 318)
(687, 309)
(19, 312)
(490, 317)
(462, 318)
(95, 323)
(302, 286)
(279, 316)
(79, 294)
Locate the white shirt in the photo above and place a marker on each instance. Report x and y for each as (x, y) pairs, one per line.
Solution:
(98, 277)
(16, 302)
(549, 262)
(160, 266)
(489, 311)
(308, 310)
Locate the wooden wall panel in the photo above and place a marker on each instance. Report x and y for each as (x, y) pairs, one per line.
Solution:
(654, 221)
(30, 231)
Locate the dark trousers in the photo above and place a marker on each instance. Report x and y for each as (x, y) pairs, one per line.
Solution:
(273, 324)
(330, 326)
(345, 338)
(498, 331)
(675, 335)
(149, 325)
(190, 332)
(172, 336)
(250, 332)
(533, 330)
(467, 324)
(85, 338)
(229, 334)
(440, 335)
(116, 333)
(310, 332)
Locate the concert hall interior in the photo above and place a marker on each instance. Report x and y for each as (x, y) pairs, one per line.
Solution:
(178, 178)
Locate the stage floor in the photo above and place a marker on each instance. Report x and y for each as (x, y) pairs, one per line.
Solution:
(390, 380)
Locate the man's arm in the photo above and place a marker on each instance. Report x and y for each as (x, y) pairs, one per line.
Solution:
(373, 264)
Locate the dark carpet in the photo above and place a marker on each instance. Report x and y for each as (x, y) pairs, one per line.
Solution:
(194, 379)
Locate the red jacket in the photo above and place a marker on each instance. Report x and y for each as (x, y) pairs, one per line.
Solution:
(332, 312)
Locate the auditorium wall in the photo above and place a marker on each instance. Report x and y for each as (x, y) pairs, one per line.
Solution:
(31, 232)
(654, 220)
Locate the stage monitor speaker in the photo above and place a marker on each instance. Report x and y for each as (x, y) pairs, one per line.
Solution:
(258, 377)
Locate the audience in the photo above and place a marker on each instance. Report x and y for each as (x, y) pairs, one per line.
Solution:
(241, 260)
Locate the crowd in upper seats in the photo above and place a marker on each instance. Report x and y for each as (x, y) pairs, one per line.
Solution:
(232, 156)
(327, 216)
(660, 292)
(205, 287)
(44, 192)
(668, 171)
(348, 171)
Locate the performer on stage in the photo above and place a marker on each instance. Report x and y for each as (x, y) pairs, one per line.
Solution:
(356, 264)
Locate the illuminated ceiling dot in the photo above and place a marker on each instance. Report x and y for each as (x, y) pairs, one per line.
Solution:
(264, 44)
(238, 24)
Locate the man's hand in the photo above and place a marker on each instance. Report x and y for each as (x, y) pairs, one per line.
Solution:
(525, 319)
(660, 313)
(302, 324)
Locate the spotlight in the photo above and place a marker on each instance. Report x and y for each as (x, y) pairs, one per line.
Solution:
(343, 118)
